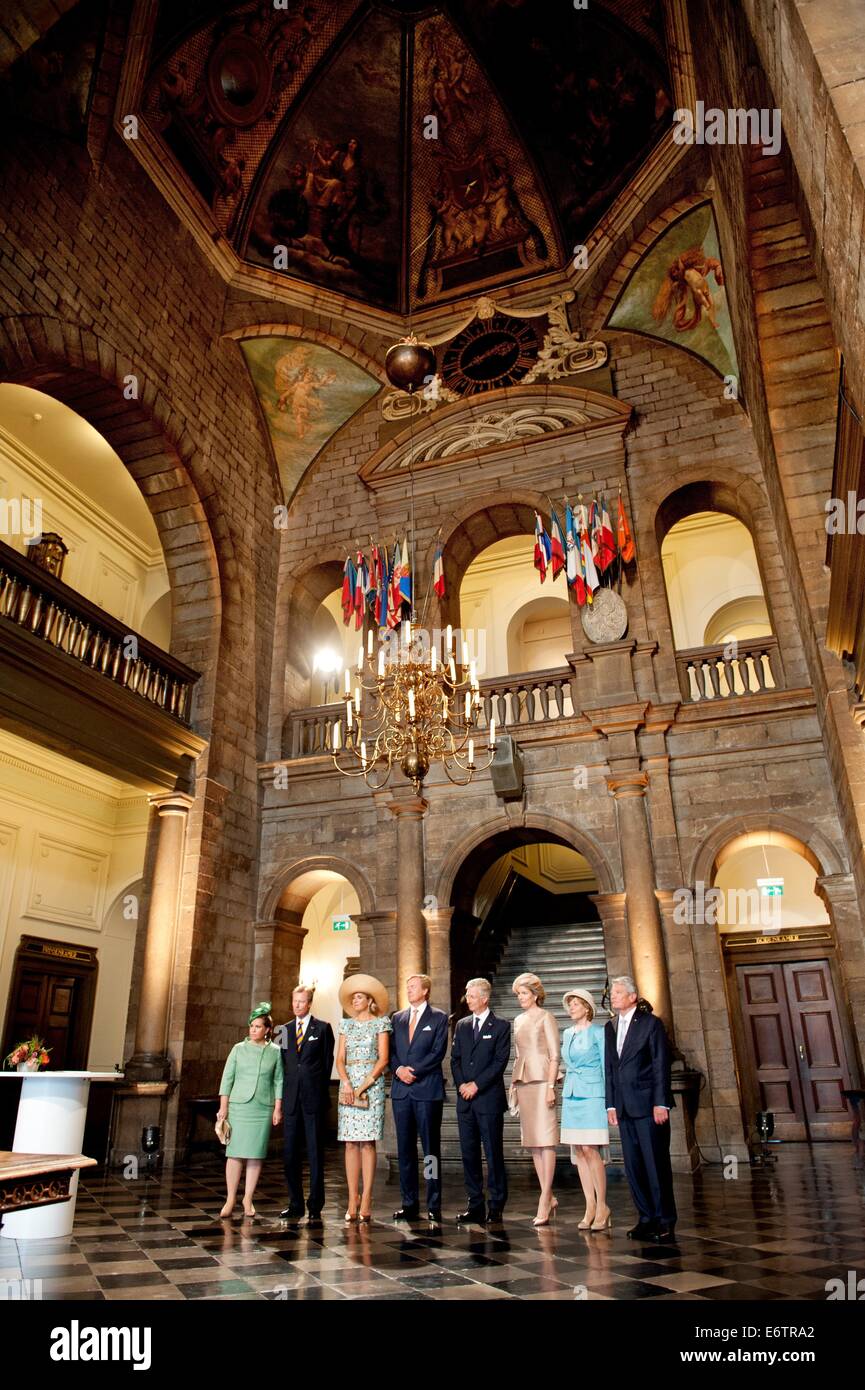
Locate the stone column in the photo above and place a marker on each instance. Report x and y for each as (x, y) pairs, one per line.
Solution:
(278, 947)
(377, 932)
(438, 936)
(410, 926)
(150, 1060)
(611, 910)
(644, 920)
(838, 892)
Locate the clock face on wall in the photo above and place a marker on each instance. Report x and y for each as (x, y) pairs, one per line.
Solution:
(491, 352)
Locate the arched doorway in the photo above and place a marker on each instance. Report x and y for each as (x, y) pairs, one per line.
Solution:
(785, 992)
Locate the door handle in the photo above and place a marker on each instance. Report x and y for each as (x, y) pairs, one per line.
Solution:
(802, 1051)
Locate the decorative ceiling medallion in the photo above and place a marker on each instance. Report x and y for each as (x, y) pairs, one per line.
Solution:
(239, 80)
(495, 347)
(607, 618)
(495, 352)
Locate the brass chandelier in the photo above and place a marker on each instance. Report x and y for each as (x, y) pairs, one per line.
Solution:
(415, 706)
(423, 711)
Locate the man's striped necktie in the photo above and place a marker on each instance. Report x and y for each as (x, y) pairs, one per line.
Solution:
(298, 1036)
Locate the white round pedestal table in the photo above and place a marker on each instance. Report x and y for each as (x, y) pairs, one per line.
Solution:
(51, 1115)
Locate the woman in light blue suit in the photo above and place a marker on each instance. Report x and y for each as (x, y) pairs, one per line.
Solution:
(584, 1114)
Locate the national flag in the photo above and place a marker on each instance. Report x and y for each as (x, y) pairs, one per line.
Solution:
(394, 601)
(439, 571)
(590, 573)
(595, 532)
(557, 544)
(405, 575)
(372, 580)
(608, 540)
(381, 598)
(627, 550)
(348, 581)
(361, 579)
(543, 550)
(574, 563)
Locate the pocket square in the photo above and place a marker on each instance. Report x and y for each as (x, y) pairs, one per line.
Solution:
(486, 1036)
(313, 1037)
(427, 1028)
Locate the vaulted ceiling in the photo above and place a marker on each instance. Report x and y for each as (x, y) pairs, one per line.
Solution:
(402, 153)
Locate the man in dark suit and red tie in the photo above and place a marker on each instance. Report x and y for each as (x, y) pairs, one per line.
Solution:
(479, 1057)
(307, 1060)
(639, 1100)
(420, 1041)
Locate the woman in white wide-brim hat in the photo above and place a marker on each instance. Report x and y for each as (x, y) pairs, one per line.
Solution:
(362, 1055)
(584, 1114)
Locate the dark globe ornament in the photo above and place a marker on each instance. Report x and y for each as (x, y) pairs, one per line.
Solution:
(409, 364)
(415, 768)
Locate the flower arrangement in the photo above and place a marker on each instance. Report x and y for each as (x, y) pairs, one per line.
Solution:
(32, 1054)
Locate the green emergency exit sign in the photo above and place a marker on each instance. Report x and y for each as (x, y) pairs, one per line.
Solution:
(341, 923)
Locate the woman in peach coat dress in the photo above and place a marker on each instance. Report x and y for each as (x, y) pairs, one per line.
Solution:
(536, 1066)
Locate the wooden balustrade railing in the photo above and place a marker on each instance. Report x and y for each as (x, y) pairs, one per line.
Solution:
(42, 605)
(532, 698)
(729, 669)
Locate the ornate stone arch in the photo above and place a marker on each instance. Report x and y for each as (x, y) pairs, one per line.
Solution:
(810, 842)
(501, 827)
(87, 373)
(307, 868)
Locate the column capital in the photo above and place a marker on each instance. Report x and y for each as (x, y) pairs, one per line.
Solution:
(412, 807)
(837, 888)
(623, 785)
(172, 803)
(272, 926)
(438, 918)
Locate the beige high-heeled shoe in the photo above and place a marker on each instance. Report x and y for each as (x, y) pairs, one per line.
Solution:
(604, 1225)
(586, 1223)
(550, 1216)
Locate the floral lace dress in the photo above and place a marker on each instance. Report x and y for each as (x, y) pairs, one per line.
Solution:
(361, 1054)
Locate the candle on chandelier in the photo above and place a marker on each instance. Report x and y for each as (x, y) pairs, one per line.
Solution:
(471, 752)
(337, 736)
(348, 714)
(369, 643)
(360, 657)
(357, 698)
(452, 666)
(468, 705)
(347, 681)
(449, 639)
(492, 733)
(381, 663)
(411, 704)
(363, 754)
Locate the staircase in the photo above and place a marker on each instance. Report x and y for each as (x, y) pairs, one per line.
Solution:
(562, 956)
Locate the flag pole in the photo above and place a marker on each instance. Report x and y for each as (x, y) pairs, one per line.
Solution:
(619, 550)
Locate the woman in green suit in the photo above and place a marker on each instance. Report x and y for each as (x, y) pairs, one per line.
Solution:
(250, 1097)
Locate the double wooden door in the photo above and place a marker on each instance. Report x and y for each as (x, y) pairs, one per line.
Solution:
(794, 1044)
(52, 998)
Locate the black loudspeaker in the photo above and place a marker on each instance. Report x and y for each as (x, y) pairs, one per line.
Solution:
(506, 769)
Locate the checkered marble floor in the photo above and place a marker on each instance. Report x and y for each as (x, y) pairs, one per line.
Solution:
(771, 1234)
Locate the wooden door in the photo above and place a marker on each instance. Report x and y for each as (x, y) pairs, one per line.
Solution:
(819, 1044)
(795, 1048)
(771, 1049)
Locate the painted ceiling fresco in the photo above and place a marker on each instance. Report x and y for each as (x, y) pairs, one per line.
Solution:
(677, 292)
(398, 151)
(305, 392)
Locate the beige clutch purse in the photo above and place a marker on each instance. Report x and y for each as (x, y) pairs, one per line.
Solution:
(223, 1131)
(513, 1103)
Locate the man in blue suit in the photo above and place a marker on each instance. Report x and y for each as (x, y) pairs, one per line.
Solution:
(639, 1100)
(479, 1057)
(420, 1041)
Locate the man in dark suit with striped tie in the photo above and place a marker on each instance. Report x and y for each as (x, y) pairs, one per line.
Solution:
(479, 1057)
(307, 1061)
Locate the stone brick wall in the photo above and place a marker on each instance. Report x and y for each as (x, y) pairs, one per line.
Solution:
(97, 274)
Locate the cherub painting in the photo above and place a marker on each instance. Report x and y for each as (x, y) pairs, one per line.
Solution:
(297, 385)
(686, 276)
(677, 292)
